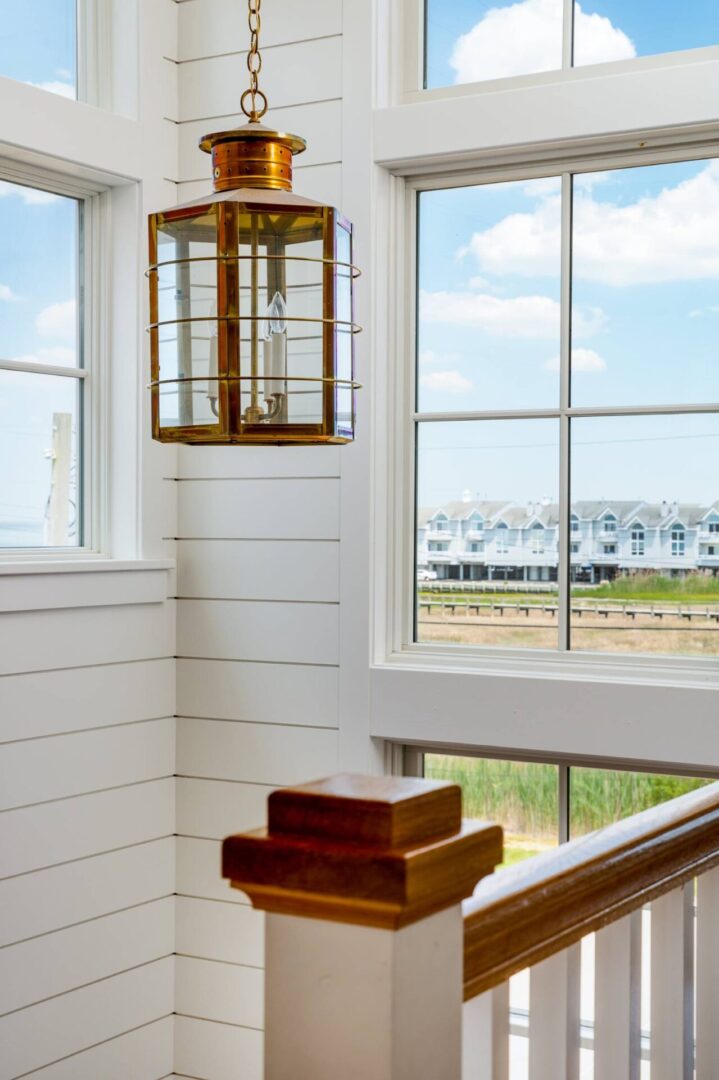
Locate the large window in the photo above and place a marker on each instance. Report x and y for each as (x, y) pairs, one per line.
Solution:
(470, 41)
(38, 44)
(566, 372)
(45, 410)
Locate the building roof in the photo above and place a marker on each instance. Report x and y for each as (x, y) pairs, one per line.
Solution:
(522, 515)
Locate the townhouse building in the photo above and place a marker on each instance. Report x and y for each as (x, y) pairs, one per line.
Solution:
(470, 540)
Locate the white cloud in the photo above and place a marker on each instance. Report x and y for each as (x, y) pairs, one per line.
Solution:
(665, 237)
(527, 37)
(31, 196)
(713, 309)
(60, 355)
(6, 293)
(58, 321)
(54, 86)
(582, 360)
(478, 283)
(516, 316)
(446, 382)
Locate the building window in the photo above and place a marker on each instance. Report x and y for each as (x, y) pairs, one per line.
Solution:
(435, 545)
(602, 430)
(575, 524)
(471, 42)
(637, 541)
(574, 549)
(678, 541)
(476, 547)
(47, 390)
(501, 542)
(713, 527)
(537, 540)
(38, 44)
(442, 525)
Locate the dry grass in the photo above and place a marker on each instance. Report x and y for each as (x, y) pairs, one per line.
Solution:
(615, 634)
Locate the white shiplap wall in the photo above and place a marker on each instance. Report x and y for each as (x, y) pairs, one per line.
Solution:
(258, 566)
(87, 692)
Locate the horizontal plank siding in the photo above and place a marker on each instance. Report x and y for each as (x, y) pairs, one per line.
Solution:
(78, 637)
(202, 84)
(216, 808)
(226, 993)
(47, 1032)
(85, 953)
(53, 833)
(256, 462)
(269, 754)
(206, 26)
(293, 633)
(53, 702)
(212, 1051)
(259, 570)
(33, 771)
(199, 871)
(263, 693)
(143, 1054)
(305, 509)
(215, 931)
(47, 900)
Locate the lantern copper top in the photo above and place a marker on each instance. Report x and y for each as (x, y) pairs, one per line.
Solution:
(252, 156)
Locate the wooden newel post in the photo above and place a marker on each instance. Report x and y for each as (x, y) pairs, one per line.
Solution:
(363, 879)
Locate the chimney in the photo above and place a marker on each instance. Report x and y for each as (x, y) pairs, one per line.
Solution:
(675, 508)
(665, 508)
(530, 509)
(466, 495)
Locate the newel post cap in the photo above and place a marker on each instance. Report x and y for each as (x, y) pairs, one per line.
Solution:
(379, 851)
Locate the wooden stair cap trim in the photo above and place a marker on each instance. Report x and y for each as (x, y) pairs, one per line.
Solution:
(385, 811)
(380, 851)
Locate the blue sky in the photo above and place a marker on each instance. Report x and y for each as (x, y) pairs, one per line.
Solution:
(528, 37)
(38, 276)
(37, 43)
(645, 332)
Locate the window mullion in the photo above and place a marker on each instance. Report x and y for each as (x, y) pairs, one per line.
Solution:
(563, 539)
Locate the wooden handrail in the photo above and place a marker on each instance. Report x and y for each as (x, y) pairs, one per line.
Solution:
(538, 908)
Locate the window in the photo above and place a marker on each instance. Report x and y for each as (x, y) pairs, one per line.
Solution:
(602, 430)
(436, 546)
(637, 541)
(496, 39)
(537, 539)
(476, 547)
(525, 797)
(678, 543)
(574, 549)
(441, 525)
(713, 527)
(45, 380)
(38, 44)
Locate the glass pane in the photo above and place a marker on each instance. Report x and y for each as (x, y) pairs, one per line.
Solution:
(37, 44)
(520, 796)
(39, 276)
(39, 437)
(644, 262)
(187, 305)
(283, 336)
(344, 395)
(645, 534)
(615, 30)
(489, 282)
(487, 531)
(599, 797)
(473, 40)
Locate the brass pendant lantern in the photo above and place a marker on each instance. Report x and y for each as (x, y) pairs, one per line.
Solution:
(251, 313)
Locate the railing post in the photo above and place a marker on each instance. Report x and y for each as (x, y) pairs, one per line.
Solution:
(362, 879)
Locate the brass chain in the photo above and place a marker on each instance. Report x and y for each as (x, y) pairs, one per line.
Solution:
(254, 65)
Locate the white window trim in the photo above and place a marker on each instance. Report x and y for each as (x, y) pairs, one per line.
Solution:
(93, 347)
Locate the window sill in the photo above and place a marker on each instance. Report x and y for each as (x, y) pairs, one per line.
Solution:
(47, 584)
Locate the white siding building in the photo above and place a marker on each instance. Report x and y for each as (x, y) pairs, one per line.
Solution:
(487, 541)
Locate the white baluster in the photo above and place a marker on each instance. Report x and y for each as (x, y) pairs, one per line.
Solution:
(707, 1004)
(554, 1006)
(485, 1035)
(617, 1000)
(673, 985)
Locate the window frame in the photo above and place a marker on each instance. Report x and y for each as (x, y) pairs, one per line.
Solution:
(400, 613)
(414, 54)
(92, 347)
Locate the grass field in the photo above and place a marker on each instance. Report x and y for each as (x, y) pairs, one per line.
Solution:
(523, 797)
